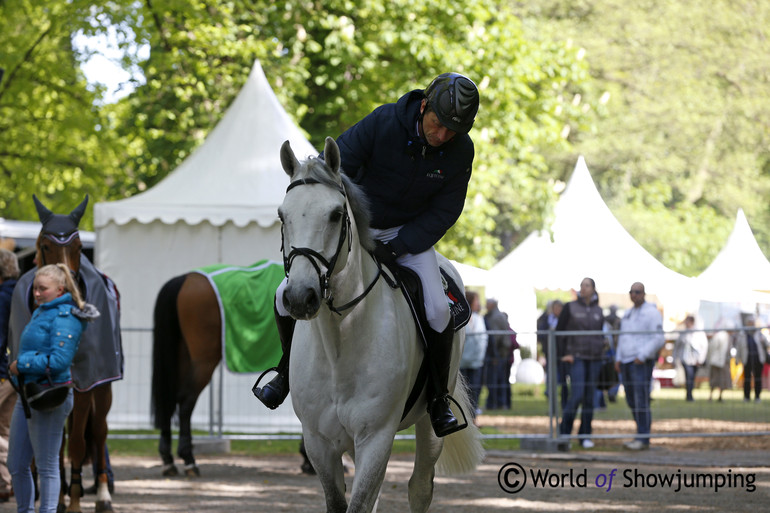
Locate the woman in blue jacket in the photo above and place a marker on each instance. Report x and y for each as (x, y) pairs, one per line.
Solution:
(413, 159)
(47, 346)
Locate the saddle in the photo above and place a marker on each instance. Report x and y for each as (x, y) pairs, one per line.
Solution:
(411, 286)
(409, 283)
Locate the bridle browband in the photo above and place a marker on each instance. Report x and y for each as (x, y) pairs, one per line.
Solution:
(315, 257)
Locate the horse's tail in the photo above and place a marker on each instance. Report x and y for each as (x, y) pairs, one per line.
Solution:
(166, 335)
(462, 450)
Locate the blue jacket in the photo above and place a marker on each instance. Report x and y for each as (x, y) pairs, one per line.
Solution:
(407, 181)
(50, 340)
(6, 292)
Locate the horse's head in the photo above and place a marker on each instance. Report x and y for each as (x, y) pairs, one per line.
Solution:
(59, 239)
(316, 218)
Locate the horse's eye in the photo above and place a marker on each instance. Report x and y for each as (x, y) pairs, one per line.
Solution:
(335, 216)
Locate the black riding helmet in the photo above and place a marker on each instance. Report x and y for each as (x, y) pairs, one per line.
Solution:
(455, 100)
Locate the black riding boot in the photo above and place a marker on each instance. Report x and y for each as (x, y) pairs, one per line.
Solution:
(440, 353)
(274, 393)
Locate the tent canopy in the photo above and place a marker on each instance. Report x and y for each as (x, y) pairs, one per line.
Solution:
(740, 272)
(219, 206)
(235, 176)
(588, 241)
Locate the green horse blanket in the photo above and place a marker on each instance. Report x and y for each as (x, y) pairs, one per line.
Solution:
(246, 294)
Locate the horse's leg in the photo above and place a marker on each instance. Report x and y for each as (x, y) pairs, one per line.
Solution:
(77, 447)
(185, 447)
(201, 325)
(428, 449)
(306, 467)
(371, 462)
(102, 402)
(328, 465)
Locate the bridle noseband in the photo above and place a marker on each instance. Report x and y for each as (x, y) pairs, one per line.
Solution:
(315, 257)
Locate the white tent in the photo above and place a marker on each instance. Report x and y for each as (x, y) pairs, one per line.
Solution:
(740, 271)
(737, 279)
(219, 206)
(588, 241)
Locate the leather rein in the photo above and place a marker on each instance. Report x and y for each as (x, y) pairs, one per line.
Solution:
(318, 260)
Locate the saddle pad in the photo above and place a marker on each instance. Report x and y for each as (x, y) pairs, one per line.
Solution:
(246, 295)
(458, 304)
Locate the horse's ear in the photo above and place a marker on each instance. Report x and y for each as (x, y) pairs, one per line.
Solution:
(77, 214)
(332, 154)
(42, 212)
(288, 160)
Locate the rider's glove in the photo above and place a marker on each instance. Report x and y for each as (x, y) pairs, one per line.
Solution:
(384, 252)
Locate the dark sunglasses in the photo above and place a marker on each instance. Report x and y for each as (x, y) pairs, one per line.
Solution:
(636, 292)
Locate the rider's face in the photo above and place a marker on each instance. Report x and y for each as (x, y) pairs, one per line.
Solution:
(434, 132)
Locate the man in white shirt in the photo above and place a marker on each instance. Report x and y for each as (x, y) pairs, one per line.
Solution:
(635, 359)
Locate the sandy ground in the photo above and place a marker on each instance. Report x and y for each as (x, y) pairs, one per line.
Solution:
(578, 481)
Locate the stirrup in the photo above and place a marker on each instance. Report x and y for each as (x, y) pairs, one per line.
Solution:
(258, 392)
(454, 429)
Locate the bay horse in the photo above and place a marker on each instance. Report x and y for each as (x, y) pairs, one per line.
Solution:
(352, 367)
(187, 347)
(185, 351)
(99, 359)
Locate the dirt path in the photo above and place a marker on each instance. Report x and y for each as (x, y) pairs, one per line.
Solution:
(235, 484)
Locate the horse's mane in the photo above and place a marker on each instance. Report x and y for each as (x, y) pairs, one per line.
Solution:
(359, 203)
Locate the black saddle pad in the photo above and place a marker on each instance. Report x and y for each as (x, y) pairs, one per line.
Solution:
(458, 304)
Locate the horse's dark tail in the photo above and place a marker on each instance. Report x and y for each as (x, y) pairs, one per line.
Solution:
(167, 335)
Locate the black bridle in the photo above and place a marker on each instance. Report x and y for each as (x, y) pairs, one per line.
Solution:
(315, 257)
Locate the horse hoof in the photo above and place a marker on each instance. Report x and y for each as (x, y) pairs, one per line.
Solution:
(104, 507)
(170, 470)
(192, 471)
(61, 508)
(307, 468)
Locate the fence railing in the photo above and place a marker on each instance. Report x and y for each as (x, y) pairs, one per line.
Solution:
(227, 404)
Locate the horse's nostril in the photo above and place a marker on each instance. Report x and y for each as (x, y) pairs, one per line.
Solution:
(311, 298)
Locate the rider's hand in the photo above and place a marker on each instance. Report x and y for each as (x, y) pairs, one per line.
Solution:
(384, 252)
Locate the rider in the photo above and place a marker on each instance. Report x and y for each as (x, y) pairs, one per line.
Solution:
(413, 159)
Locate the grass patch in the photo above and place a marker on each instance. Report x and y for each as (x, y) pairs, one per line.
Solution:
(667, 403)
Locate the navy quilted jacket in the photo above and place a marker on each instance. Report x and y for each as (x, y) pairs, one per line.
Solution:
(408, 182)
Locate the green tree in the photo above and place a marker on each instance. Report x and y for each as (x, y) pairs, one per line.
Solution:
(685, 120)
(52, 137)
(330, 64)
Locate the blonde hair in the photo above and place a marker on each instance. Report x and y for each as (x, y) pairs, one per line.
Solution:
(61, 274)
(9, 265)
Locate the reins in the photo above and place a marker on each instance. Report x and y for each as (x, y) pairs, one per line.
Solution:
(315, 257)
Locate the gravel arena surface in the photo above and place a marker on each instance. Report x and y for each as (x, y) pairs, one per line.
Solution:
(728, 479)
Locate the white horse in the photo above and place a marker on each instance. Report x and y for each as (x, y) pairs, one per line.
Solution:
(355, 353)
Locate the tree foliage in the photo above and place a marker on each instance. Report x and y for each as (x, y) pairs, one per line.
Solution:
(330, 63)
(51, 134)
(682, 141)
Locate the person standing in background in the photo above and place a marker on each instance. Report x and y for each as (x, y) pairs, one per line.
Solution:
(690, 351)
(472, 360)
(752, 351)
(635, 358)
(9, 273)
(584, 353)
(47, 346)
(718, 359)
(498, 347)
